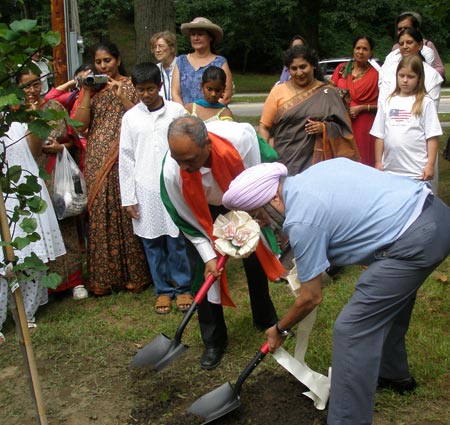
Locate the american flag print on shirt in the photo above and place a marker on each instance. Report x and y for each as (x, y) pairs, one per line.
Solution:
(399, 115)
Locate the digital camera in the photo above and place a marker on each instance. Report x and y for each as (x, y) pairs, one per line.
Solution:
(94, 79)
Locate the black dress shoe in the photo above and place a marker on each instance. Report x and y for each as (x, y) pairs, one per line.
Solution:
(211, 357)
(400, 386)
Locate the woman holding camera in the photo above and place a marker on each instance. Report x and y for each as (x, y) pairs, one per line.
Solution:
(115, 255)
(68, 266)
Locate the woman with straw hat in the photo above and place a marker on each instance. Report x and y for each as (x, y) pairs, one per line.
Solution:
(187, 75)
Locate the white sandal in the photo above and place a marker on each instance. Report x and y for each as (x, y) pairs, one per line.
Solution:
(32, 325)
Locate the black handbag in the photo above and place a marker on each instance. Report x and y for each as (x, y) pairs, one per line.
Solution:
(446, 152)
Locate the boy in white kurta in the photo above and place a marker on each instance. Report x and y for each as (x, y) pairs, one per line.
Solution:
(143, 144)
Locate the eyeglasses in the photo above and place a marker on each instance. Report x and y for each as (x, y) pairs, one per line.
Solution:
(33, 87)
(160, 47)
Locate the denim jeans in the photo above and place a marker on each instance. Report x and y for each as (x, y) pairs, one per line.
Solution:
(169, 266)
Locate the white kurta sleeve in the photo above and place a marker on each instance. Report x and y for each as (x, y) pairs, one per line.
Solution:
(127, 165)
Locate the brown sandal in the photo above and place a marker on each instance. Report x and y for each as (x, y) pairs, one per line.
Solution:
(184, 302)
(163, 304)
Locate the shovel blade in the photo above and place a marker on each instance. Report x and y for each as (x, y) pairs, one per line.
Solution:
(158, 353)
(216, 403)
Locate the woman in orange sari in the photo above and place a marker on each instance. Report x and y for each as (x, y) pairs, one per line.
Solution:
(115, 256)
(360, 78)
(304, 119)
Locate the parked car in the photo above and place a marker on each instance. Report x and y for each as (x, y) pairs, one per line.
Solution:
(329, 65)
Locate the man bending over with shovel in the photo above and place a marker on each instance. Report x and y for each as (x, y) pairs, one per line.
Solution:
(196, 172)
(339, 212)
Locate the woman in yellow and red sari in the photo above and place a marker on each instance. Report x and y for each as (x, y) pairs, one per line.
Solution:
(305, 119)
(115, 256)
(360, 78)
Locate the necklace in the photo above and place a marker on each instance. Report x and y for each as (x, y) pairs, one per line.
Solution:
(359, 74)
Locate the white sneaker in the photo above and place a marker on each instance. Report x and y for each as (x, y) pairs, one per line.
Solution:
(79, 292)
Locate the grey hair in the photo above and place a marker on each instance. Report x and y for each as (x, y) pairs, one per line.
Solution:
(190, 126)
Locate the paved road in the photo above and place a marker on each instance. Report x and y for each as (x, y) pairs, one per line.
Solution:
(254, 109)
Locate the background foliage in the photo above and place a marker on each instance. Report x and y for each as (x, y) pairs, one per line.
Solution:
(258, 31)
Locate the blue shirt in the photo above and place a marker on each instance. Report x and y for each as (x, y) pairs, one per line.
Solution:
(341, 212)
(191, 79)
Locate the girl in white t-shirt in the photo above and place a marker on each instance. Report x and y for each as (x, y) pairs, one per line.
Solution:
(407, 126)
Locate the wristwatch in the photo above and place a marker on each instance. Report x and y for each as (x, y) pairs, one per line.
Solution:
(284, 333)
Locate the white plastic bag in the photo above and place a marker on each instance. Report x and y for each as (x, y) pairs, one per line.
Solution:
(69, 193)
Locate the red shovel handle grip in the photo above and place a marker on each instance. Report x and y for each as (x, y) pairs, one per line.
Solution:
(201, 294)
(265, 348)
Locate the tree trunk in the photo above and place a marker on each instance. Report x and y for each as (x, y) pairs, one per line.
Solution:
(310, 11)
(59, 51)
(151, 16)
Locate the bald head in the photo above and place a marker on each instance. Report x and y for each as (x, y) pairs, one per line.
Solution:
(192, 127)
(189, 144)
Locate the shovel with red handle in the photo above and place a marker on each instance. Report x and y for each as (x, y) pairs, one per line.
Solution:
(162, 350)
(226, 398)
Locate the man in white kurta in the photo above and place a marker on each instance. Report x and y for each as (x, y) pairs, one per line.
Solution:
(143, 144)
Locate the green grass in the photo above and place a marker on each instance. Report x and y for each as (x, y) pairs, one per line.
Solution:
(248, 99)
(83, 349)
(447, 75)
(254, 83)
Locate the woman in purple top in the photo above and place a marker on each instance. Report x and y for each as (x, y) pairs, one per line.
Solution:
(187, 75)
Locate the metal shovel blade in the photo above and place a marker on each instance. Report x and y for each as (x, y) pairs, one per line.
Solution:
(162, 350)
(216, 403)
(226, 398)
(158, 353)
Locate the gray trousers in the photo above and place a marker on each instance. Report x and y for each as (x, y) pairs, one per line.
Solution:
(369, 333)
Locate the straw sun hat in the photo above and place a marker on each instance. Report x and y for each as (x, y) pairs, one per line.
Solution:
(203, 24)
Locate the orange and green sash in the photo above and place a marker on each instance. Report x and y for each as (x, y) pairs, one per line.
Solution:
(226, 164)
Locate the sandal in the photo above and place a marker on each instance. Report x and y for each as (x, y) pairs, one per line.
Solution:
(163, 304)
(184, 302)
(2, 338)
(32, 328)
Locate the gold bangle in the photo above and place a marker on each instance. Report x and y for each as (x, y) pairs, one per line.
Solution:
(84, 107)
(368, 108)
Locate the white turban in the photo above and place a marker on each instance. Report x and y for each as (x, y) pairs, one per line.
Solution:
(254, 187)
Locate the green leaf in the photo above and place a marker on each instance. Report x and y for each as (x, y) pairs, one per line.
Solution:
(32, 262)
(24, 25)
(33, 237)
(23, 212)
(28, 225)
(14, 172)
(6, 185)
(9, 100)
(32, 182)
(40, 128)
(52, 38)
(20, 243)
(51, 280)
(37, 204)
(43, 174)
(25, 189)
(74, 123)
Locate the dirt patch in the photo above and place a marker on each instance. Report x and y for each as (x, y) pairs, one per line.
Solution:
(265, 398)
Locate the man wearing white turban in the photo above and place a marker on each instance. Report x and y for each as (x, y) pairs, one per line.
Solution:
(199, 167)
(340, 212)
